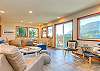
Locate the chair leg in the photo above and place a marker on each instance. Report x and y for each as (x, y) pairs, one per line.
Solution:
(76, 51)
(90, 60)
(72, 51)
(65, 52)
(83, 55)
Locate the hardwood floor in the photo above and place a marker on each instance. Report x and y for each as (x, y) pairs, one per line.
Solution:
(70, 62)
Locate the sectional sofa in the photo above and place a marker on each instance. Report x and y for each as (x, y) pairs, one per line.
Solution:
(12, 60)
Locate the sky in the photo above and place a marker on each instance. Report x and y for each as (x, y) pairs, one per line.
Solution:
(68, 25)
(67, 28)
(84, 21)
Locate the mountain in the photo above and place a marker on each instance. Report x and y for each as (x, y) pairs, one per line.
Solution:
(91, 28)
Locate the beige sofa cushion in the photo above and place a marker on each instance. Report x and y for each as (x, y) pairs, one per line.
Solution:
(34, 63)
(16, 42)
(4, 65)
(14, 57)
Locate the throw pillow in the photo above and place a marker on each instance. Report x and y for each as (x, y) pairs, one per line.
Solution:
(71, 45)
(14, 57)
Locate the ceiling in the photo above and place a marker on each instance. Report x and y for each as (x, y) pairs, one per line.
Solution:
(16, 11)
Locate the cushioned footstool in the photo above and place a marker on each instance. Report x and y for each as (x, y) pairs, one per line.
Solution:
(42, 46)
(46, 58)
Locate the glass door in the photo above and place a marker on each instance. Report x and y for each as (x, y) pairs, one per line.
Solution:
(67, 33)
(63, 34)
(59, 36)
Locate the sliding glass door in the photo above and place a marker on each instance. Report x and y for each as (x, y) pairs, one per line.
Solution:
(67, 33)
(63, 34)
(59, 36)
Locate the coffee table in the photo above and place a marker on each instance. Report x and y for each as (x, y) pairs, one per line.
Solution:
(30, 50)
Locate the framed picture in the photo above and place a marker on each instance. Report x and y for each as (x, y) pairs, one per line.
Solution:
(50, 32)
(33, 32)
(21, 31)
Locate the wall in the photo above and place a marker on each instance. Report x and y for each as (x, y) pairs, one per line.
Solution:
(74, 16)
(12, 26)
(46, 40)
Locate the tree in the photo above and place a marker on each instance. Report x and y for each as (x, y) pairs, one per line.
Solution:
(22, 32)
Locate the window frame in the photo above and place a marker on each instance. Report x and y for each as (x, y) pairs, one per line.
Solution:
(23, 27)
(78, 27)
(42, 32)
(52, 32)
(63, 26)
(72, 26)
(33, 28)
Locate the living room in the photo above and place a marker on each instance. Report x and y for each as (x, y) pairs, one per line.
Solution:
(33, 23)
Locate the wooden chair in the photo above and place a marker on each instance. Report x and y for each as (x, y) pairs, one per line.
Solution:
(87, 53)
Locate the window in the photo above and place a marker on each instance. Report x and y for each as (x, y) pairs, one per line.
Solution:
(68, 31)
(64, 33)
(44, 32)
(89, 27)
(50, 31)
(21, 31)
(33, 32)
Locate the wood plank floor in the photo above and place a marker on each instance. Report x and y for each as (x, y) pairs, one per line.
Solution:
(70, 62)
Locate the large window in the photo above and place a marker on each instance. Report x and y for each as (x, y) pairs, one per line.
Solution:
(50, 31)
(89, 27)
(44, 32)
(21, 31)
(33, 32)
(68, 30)
(63, 34)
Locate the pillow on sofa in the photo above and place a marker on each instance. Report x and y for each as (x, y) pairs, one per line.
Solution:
(2, 40)
(4, 65)
(14, 57)
(16, 42)
(27, 42)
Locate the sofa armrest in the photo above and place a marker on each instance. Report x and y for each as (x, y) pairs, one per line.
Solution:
(35, 64)
(4, 65)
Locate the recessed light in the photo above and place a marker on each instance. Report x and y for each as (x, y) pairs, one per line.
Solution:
(58, 17)
(29, 22)
(46, 22)
(30, 12)
(1, 11)
(21, 21)
(21, 17)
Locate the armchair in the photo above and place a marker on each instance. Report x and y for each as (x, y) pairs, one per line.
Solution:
(71, 46)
